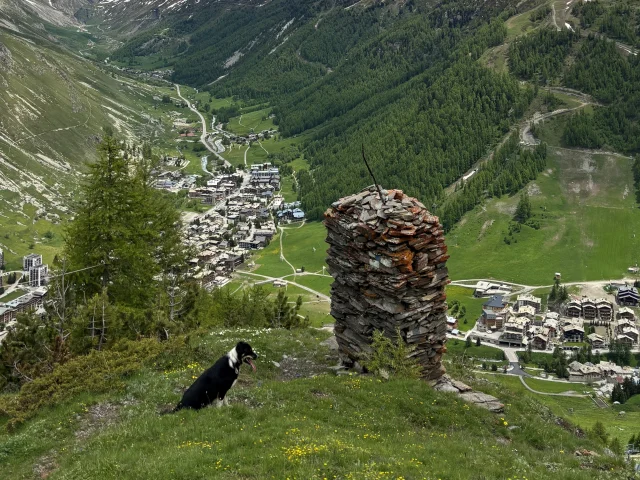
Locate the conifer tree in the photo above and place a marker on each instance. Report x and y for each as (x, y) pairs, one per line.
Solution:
(523, 210)
(125, 233)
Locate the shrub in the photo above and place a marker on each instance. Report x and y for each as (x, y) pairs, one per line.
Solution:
(388, 357)
(599, 431)
(97, 372)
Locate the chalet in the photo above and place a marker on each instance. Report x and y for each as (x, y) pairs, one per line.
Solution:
(596, 341)
(573, 333)
(587, 372)
(552, 325)
(452, 323)
(625, 313)
(589, 309)
(540, 342)
(530, 301)
(628, 296)
(527, 311)
(291, 214)
(251, 244)
(495, 312)
(539, 337)
(6, 314)
(605, 309)
(515, 332)
(623, 323)
(624, 340)
(574, 309)
(233, 261)
(631, 332)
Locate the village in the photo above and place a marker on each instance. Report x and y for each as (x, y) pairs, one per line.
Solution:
(25, 293)
(520, 322)
(245, 210)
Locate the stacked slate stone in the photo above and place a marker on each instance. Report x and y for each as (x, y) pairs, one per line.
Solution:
(388, 264)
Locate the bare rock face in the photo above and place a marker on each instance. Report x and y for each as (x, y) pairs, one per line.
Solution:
(388, 264)
(6, 60)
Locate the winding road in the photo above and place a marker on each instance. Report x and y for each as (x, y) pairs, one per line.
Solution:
(203, 137)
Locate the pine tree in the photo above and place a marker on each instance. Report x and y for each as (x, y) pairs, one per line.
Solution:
(523, 210)
(600, 432)
(616, 446)
(125, 233)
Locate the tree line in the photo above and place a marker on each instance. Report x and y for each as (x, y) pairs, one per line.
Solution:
(540, 55)
(602, 71)
(508, 171)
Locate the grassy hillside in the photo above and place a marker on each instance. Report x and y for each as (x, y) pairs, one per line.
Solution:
(294, 420)
(54, 106)
(589, 223)
(582, 412)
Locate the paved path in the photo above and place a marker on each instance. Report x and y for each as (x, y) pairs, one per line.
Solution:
(564, 394)
(203, 137)
(245, 155)
(282, 257)
(271, 279)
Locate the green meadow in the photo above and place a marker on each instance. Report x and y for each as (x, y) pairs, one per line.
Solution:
(548, 386)
(253, 122)
(582, 412)
(293, 418)
(589, 226)
(466, 299)
(303, 246)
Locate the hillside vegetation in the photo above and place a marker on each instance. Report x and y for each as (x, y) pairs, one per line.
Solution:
(290, 420)
(54, 107)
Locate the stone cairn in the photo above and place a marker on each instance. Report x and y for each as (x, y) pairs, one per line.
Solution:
(388, 264)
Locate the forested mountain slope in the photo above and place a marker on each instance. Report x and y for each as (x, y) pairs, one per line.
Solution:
(584, 215)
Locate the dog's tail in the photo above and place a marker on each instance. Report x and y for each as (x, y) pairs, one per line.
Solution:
(172, 410)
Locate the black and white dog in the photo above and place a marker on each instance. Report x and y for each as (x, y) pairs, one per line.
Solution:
(215, 382)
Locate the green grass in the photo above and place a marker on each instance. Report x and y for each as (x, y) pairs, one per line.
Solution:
(318, 313)
(590, 230)
(472, 304)
(521, 24)
(287, 192)
(299, 245)
(458, 348)
(568, 100)
(280, 426)
(496, 58)
(547, 386)
(318, 283)
(13, 295)
(318, 310)
(235, 154)
(536, 357)
(582, 412)
(251, 122)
